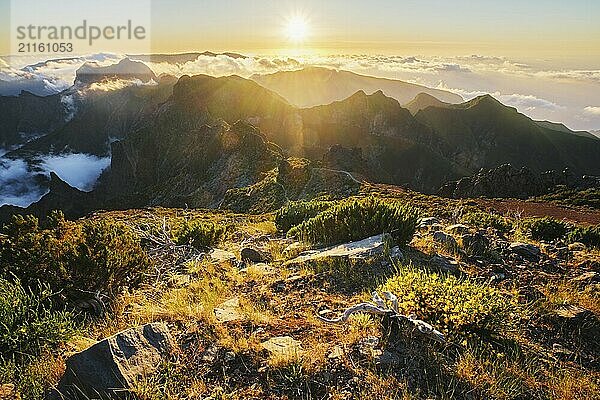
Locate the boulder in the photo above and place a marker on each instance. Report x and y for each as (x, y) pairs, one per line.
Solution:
(445, 264)
(110, 367)
(445, 239)
(369, 247)
(228, 311)
(525, 250)
(458, 229)
(251, 255)
(282, 346)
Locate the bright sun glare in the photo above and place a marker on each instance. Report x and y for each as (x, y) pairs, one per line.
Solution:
(297, 29)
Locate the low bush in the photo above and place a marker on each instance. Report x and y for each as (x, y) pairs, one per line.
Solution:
(95, 258)
(199, 234)
(296, 212)
(28, 323)
(546, 228)
(359, 219)
(449, 303)
(588, 235)
(484, 220)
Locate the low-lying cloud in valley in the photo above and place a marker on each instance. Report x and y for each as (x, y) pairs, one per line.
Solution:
(23, 183)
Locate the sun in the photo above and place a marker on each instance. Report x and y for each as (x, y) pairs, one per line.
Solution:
(297, 29)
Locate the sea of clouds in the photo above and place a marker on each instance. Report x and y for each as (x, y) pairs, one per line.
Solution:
(539, 90)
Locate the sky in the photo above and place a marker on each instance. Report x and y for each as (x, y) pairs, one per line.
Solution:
(541, 56)
(566, 32)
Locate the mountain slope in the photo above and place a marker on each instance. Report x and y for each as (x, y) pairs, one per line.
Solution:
(483, 133)
(316, 86)
(554, 126)
(27, 116)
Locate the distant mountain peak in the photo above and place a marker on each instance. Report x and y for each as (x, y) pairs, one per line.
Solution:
(124, 69)
(313, 86)
(422, 101)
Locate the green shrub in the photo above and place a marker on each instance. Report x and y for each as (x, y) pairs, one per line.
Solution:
(296, 212)
(546, 228)
(200, 234)
(588, 235)
(359, 219)
(452, 304)
(484, 220)
(77, 259)
(28, 323)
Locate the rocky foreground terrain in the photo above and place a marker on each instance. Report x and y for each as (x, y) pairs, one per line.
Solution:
(493, 301)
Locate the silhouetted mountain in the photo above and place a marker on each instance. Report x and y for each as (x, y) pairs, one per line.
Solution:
(422, 101)
(99, 118)
(27, 116)
(484, 133)
(562, 128)
(208, 142)
(125, 69)
(316, 86)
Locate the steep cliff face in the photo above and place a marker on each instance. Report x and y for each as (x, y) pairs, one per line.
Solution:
(193, 167)
(27, 116)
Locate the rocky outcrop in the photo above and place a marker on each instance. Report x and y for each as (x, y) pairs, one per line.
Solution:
(110, 367)
(27, 116)
(507, 181)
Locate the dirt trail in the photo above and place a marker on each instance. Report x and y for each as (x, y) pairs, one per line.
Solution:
(539, 209)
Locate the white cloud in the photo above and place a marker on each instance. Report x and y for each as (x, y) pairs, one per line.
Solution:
(21, 183)
(18, 185)
(78, 170)
(527, 103)
(592, 110)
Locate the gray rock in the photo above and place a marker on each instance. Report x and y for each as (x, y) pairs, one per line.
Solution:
(228, 311)
(458, 229)
(361, 249)
(428, 221)
(525, 250)
(108, 368)
(248, 254)
(219, 255)
(445, 264)
(282, 346)
(445, 239)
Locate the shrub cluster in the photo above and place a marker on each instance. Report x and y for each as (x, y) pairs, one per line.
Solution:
(296, 212)
(588, 235)
(199, 234)
(452, 304)
(358, 219)
(546, 228)
(484, 220)
(29, 324)
(77, 259)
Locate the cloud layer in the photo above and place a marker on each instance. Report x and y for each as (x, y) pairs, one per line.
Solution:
(541, 91)
(22, 183)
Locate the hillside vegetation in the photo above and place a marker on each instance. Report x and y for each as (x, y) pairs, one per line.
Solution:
(518, 322)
